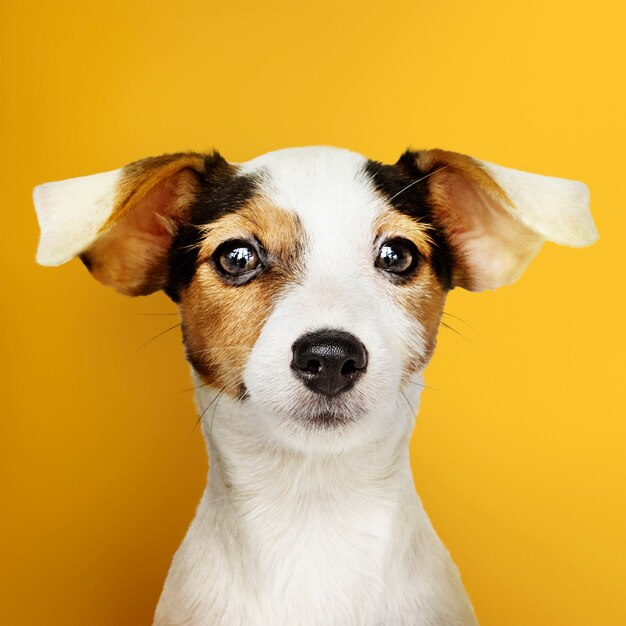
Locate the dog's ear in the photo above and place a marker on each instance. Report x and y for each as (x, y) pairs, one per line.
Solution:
(497, 218)
(121, 223)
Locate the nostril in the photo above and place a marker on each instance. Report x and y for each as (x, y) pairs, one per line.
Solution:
(349, 369)
(313, 366)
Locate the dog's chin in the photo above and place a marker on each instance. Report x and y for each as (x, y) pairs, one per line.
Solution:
(320, 426)
(327, 413)
(326, 420)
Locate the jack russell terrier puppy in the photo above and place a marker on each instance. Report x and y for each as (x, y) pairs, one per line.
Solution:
(311, 283)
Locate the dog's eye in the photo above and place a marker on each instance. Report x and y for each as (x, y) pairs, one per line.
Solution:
(238, 260)
(397, 256)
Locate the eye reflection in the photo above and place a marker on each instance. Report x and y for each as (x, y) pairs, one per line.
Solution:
(397, 256)
(237, 259)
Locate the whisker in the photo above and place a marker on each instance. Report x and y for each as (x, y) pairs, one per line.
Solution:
(420, 385)
(194, 387)
(208, 406)
(412, 382)
(167, 330)
(454, 330)
(232, 383)
(214, 348)
(154, 313)
(419, 180)
(456, 317)
(191, 246)
(413, 410)
(226, 359)
(219, 395)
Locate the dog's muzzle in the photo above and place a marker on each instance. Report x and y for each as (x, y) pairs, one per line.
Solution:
(328, 361)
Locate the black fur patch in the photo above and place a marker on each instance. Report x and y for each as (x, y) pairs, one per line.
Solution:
(398, 184)
(221, 191)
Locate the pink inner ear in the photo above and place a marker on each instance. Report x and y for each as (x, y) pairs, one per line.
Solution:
(154, 214)
(131, 255)
(494, 246)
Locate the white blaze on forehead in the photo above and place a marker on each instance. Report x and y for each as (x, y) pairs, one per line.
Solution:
(337, 205)
(329, 191)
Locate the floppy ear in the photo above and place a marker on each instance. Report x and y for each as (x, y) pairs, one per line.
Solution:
(121, 223)
(497, 218)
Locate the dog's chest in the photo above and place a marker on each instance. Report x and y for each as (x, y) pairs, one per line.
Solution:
(338, 541)
(323, 551)
(333, 558)
(285, 556)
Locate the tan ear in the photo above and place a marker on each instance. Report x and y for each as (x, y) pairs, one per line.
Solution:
(121, 223)
(497, 218)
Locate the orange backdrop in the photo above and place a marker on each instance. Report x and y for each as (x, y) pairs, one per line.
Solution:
(519, 448)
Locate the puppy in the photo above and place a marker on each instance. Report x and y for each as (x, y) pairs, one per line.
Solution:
(311, 283)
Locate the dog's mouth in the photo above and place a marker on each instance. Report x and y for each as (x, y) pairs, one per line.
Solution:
(328, 414)
(326, 419)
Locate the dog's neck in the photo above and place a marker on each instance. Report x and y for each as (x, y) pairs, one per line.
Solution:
(245, 466)
(273, 495)
(249, 470)
(293, 531)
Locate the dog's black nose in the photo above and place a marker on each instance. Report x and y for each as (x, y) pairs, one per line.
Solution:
(328, 361)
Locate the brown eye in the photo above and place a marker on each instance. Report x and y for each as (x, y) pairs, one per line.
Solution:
(397, 256)
(238, 261)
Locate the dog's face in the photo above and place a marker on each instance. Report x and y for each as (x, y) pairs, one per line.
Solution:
(312, 298)
(311, 282)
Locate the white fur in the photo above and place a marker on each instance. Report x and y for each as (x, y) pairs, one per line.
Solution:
(555, 208)
(71, 213)
(301, 526)
(300, 538)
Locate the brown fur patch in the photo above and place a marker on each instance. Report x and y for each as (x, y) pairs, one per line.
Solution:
(425, 303)
(221, 322)
(422, 297)
(153, 195)
(423, 300)
(393, 224)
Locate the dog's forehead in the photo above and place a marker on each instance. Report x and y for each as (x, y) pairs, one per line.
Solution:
(328, 189)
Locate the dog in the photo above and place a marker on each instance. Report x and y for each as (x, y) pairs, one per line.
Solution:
(311, 283)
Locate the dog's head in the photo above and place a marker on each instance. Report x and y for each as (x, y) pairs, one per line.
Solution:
(311, 282)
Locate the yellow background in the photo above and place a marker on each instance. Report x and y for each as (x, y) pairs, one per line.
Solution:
(519, 449)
